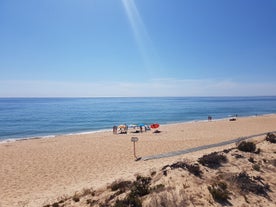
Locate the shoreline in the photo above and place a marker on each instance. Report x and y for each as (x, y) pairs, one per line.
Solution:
(38, 171)
(49, 136)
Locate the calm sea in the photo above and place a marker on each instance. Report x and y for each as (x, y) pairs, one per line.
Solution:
(38, 117)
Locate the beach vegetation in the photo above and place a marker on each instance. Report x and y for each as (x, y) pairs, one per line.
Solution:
(56, 204)
(140, 187)
(122, 186)
(247, 146)
(270, 137)
(258, 151)
(153, 173)
(213, 160)
(91, 202)
(219, 192)
(158, 188)
(251, 159)
(256, 167)
(251, 184)
(165, 173)
(130, 200)
(226, 151)
(155, 190)
(88, 191)
(104, 204)
(274, 162)
(76, 198)
(238, 156)
(246, 199)
(192, 168)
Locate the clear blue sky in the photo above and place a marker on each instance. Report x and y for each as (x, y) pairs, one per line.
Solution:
(137, 48)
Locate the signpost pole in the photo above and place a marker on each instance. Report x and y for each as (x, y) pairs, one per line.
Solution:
(134, 139)
(134, 150)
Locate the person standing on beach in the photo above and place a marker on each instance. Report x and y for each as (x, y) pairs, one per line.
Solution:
(141, 129)
(114, 129)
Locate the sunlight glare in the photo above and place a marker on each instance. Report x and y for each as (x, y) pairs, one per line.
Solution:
(141, 35)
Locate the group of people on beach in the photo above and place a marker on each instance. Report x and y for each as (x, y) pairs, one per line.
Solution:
(232, 117)
(124, 128)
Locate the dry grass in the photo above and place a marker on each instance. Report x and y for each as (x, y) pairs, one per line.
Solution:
(217, 186)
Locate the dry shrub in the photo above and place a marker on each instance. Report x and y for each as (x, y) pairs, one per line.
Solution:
(219, 192)
(270, 137)
(256, 167)
(130, 200)
(122, 186)
(158, 188)
(139, 188)
(212, 160)
(248, 184)
(247, 146)
(251, 159)
(192, 168)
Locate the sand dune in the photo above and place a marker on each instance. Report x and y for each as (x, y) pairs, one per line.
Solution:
(37, 172)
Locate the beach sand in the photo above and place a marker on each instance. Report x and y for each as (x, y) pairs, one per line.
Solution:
(35, 172)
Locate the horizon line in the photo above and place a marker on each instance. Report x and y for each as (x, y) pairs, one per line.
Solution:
(218, 96)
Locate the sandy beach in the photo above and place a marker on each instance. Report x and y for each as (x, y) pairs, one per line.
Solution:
(37, 171)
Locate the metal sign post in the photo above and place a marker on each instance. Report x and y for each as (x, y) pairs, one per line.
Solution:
(134, 139)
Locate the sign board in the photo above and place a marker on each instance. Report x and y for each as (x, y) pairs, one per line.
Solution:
(134, 139)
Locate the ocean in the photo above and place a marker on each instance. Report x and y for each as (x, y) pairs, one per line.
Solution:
(45, 117)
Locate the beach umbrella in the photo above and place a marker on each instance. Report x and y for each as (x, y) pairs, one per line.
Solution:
(154, 126)
(132, 126)
(122, 126)
(122, 129)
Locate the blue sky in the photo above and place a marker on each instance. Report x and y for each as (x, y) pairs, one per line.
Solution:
(87, 48)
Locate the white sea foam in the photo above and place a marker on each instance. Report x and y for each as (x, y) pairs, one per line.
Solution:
(88, 132)
(9, 140)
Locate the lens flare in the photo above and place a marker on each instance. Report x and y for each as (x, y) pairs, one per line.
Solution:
(141, 35)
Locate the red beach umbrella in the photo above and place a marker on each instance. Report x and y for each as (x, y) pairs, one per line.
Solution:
(154, 126)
